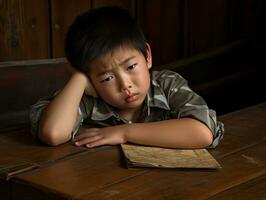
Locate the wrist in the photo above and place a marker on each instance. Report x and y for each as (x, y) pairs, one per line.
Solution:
(126, 132)
(81, 79)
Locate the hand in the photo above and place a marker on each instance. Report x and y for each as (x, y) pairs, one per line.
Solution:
(93, 137)
(90, 91)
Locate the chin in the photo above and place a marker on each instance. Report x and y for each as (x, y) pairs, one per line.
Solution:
(132, 105)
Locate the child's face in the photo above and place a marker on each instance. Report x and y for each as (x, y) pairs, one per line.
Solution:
(122, 78)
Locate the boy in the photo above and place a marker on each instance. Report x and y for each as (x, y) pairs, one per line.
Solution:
(112, 98)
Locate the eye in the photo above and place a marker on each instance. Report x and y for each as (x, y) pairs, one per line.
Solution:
(109, 78)
(131, 67)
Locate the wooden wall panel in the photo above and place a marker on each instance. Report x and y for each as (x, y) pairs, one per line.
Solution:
(206, 25)
(162, 25)
(127, 4)
(62, 15)
(175, 29)
(24, 29)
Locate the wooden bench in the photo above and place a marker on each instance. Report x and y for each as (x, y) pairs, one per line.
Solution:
(30, 170)
(22, 83)
(229, 78)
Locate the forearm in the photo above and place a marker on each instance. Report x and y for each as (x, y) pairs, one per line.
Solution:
(176, 133)
(59, 117)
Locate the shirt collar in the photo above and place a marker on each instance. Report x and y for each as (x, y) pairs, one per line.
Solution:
(101, 111)
(155, 98)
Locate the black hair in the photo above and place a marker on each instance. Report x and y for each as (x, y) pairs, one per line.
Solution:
(100, 31)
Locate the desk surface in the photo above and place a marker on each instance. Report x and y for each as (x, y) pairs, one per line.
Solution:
(30, 170)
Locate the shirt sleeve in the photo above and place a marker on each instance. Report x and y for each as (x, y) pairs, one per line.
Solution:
(186, 103)
(37, 109)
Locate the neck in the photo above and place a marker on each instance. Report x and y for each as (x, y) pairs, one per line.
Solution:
(130, 114)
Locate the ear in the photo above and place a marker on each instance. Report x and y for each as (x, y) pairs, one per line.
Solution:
(149, 56)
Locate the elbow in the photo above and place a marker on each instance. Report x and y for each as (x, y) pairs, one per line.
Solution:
(207, 139)
(52, 137)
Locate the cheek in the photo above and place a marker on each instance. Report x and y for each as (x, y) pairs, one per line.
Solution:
(144, 78)
(106, 93)
(99, 89)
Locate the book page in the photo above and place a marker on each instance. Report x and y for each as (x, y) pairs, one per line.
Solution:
(145, 156)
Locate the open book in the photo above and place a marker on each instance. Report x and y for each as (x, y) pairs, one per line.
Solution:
(145, 156)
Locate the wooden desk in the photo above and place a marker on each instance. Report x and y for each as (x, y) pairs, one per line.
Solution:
(101, 173)
(19, 153)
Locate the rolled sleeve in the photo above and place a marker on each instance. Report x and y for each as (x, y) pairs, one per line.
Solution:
(217, 129)
(186, 103)
(36, 111)
(78, 123)
(207, 116)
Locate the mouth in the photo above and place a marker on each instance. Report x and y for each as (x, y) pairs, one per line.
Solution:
(132, 97)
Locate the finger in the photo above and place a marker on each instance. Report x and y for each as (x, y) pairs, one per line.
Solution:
(88, 140)
(97, 143)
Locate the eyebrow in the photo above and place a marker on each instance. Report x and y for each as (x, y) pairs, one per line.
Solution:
(126, 60)
(101, 73)
(122, 63)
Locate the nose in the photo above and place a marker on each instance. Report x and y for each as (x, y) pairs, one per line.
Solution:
(125, 84)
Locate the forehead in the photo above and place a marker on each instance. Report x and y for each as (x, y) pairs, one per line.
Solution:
(119, 54)
(117, 57)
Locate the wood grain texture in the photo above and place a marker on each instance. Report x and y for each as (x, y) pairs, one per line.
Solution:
(62, 16)
(175, 29)
(243, 128)
(103, 175)
(206, 25)
(24, 30)
(187, 184)
(78, 176)
(253, 189)
(19, 152)
(162, 24)
(126, 4)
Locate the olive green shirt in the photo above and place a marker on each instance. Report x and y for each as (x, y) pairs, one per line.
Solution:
(169, 97)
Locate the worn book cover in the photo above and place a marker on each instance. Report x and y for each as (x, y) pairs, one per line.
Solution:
(146, 156)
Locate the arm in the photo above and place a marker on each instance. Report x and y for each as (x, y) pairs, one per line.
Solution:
(175, 133)
(59, 118)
